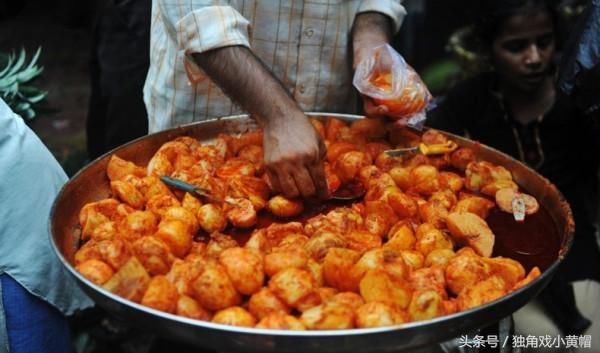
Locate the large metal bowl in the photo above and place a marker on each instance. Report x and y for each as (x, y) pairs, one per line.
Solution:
(91, 184)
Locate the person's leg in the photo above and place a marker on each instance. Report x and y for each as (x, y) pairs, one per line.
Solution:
(587, 296)
(126, 117)
(96, 116)
(558, 299)
(32, 325)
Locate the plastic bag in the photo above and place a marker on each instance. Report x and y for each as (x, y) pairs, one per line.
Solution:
(385, 77)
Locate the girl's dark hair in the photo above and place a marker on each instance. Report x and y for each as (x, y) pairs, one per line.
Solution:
(491, 14)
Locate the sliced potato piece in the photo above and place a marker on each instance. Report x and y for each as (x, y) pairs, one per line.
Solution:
(506, 196)
(472, 230)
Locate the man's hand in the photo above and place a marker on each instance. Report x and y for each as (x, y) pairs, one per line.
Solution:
(374, 110)
(293, 152)
(293, 157)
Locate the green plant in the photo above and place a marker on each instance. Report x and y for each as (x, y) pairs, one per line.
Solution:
(14, 74)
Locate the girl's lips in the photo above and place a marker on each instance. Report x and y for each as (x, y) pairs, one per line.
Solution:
(534, 77)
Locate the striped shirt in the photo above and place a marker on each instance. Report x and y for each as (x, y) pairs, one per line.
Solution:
(304, 43)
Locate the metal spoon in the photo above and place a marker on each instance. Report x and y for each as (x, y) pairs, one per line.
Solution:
(349, 192)
(428, 150)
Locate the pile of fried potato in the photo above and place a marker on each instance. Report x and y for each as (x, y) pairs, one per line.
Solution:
(415, 247)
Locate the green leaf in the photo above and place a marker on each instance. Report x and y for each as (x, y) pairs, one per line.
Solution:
(7, 82)
(35, 58)
(37, 98)
(15, 72)
(22, 106)
(9, 87)
(27, 114)
(440, 74)
(18, 64)
(28, 74)
(8, 65)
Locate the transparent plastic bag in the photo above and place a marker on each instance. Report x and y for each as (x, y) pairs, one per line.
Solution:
(386, 78)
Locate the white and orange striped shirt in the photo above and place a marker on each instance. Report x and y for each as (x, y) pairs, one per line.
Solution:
(306, 44)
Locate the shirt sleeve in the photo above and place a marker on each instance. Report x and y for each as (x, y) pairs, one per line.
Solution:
(201, 26)
(211, 27)
(391, 8)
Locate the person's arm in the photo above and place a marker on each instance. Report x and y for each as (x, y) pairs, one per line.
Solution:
(215, 37)
(293, 151)
(370, 30)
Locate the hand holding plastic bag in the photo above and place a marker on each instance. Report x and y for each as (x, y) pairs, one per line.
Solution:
(392, 84)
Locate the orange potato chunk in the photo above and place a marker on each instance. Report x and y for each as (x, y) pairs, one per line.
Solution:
(465, 269)
(161, 295)
(240, 212)
(291, 285)
(348, 165)
(280, 321)
(426, 305)
(284, 207)
(188, 307)
(213, 289)
(281, 259)
(234, 316)
(376, 314)
(328, 316)
(211, 218)
(138, 224)
(118, 168)
(176, 234)
(479, 175)
(244, 268)
(95, 270)
(264, 303)
(154, 254)
(336, 269)
(461, 157)
(424, 179)
(482, 292)
(130, 281)
(378, 286)
(474, 204)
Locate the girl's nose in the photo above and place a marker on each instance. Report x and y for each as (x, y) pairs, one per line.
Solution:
(533, 55)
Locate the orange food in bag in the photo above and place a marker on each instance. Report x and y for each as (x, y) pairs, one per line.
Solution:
(410, 100)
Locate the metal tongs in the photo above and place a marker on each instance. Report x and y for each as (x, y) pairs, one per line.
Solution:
(187, 187)
(425, 149)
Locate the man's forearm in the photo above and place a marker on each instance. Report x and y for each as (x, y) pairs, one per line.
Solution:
(243, 77)
(370, 30)
(293, 152)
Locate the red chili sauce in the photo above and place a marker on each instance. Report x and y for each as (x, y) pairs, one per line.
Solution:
(533, 242)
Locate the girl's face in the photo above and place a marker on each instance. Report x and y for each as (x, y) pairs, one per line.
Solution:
(523, 49)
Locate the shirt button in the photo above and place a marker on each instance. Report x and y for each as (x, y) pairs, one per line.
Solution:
(309, 32)
(301, 88)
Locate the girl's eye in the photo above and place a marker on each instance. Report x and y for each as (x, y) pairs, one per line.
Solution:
(515, 45)
(545, 41)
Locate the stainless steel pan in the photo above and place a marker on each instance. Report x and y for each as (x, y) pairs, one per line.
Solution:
(91, 184)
